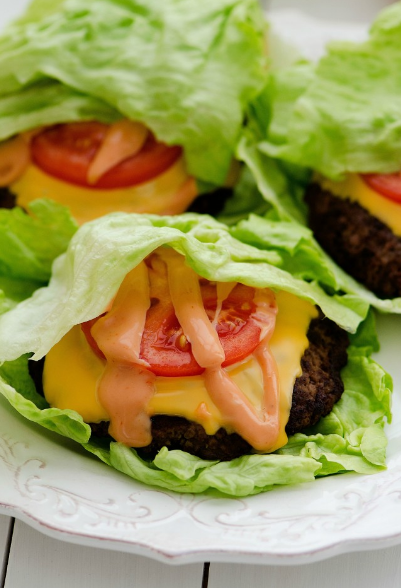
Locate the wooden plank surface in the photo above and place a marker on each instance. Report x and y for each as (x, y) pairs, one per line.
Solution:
(354, 570)
(4, 533)
(38, 561)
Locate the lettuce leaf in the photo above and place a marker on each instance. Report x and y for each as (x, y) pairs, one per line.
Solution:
(102, 252)
(186, 69)
(48, 102)
(29, 243)
(345, 114)
(351, 438)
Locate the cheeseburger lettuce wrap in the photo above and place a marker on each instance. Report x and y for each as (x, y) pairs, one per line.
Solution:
(137, 106)
(191, 360)
(324, 146)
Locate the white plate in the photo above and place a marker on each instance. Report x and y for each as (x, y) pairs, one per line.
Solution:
(57, 488)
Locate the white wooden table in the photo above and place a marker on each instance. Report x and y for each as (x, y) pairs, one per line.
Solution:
(30, 559)
(35, 561)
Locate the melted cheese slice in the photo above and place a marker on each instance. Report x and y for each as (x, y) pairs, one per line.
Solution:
(162, 195)
(72, 374)
(356, 189)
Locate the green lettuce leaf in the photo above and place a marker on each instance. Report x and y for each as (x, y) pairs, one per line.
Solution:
(345, 114)
(86, 278)
(186, 69)
(48, 102)
(250, 474)
(102, 252)
(29, 243)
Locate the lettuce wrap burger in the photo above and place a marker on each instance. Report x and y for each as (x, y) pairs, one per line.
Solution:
(190, 360)
(327, 153)
(137, 106)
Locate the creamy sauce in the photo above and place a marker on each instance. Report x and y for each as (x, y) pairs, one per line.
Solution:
(125, 392)
(239, 414)
(14, 159)
(121, 380)
(224, 290)
(123, 139)
(126, 386)
(186, 297)
(119, 333)
(259, 428)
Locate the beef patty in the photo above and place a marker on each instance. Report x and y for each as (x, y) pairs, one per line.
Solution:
(360, 243)
(315, 393)
(7, 198)
(211, 203)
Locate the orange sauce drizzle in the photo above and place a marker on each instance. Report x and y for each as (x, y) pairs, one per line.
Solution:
(14, 159)
(127, 387)
(123, 139)
(187, 300)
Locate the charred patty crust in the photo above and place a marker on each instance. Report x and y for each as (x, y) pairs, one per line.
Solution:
(315, 393)
(320, 385)
(176, 432)
(360, 243)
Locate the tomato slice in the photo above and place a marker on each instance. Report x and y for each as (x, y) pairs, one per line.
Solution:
(168, 352)
(65, 151)
(164, 345)
(388, 185)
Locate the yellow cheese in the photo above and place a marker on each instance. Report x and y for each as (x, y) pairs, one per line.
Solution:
(357, 190)
(85, 204)
(72, 372)
(288, 345)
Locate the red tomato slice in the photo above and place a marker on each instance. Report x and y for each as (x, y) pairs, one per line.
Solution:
(388, 185)
(168, 352)
(164, 345)
(66, 151)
